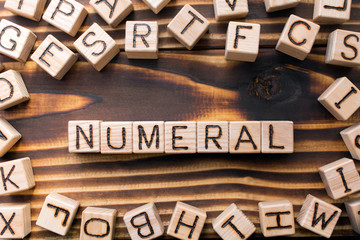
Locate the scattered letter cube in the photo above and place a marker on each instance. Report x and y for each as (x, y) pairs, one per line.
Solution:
(156, 5)
(15, 220)
(277, 5)
(351, 137)
(113, 12)
(353, 211)
(8, 136)
(84, 136)
(228, 10)
(277, 137)
(31, 9)
(332, 11)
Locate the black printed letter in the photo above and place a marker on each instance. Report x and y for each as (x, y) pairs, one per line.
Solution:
(142, 36)
(60, 11)
(47, 51)
(146, 224)
(212, 138)
(123, 139)
(174, 137)
(142, 135)
(237, 36)
(292, 29)
(97, 235)
(7, 224)
(271, 138)
(94, 43)
(352, 90)
(11, 91)
(350, 46)
(191, 22)
(112, 7)
(343, 8)
(7, 178)
(89, 140)
(245, 130)
(192, 227)
(324, 223)
(59, 209)
(18, 33)
(228, 222)
(278, 220)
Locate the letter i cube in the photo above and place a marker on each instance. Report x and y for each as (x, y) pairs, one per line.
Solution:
(31, 9)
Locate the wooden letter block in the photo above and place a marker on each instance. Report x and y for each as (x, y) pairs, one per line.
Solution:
(12, 89)
(144, 222)
(233, 224)
(84, 136)
(242, 41)
(98, 223)
(57, 213)
(277, 137)
(141, 41)
(15, 220)
(54, 57)
(318, 216)
(148, 137)
(188, 26)
(343, 48)
(277, 218)
(67, 15)
(245, 137)
(112, 11)
(156, 5)
(341, 98)
(353, 211)
(17, 175)
(96, 46)
(8, 136)
(277, 5)
(340, 178)
(351, 137)
(180, 137)
(213, 137)
(31, 9)
(16, 41)
(297, 37)
(116, 138)
(227, 10)
(332, 11)
(186, 222)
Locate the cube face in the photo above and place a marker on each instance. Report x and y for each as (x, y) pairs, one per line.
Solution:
(332, 11)
(213, 137)
(180, 137)
(242, 41)
(351, 137)
(277, 137)
(144, 222)
(353, 211)
(8, 136)
(141, 41)
(57, 213)
(97, 47)
(18, 220)
(297, 37)
(245, 137)
(188, 26)
(67, 15)
(318, 216)
(277, 218)
(343, 48)
(148, 137)
(31, 9)
(277, 5)
(54, 57)
(16, 41)
(228, 10)
(341, 98)
(186, 222)
(98, 223)
(112, 12)
(340, 178)
(12, 89)
(233, 224)
(84, 136)
(116, 138)
(156, 5)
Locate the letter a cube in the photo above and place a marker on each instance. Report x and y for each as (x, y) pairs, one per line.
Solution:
(15, 220)
(114, 11)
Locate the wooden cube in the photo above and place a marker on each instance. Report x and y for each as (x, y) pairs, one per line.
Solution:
(186, 222)
(15, 220)
(340, 178)
(113, 12)
(16, 41)
(277, 137)
(141, 41)
(188, 26)
(229, 10)
(116, 138)
(343, 48)
(57, 213)
(351, 137)
(341, 98)
(213, 137)
(12, 89)
(17, 175)
(98, 223)
(84, 136)
(353, 212)
(1, 67)
(232, 223)
(31, 9)
(144, 222)
(332, 11)
(297, 37)
(54, 57)
(277, 5)
(242, 41)
(148, 137)
(67, 15)
(156, 5)
(245, 137)
(8, 136)
(277, 218)
(318, 216)
(180, 137)
(97, 47)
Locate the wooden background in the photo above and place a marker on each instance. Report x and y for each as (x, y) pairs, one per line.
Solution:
(182, 85)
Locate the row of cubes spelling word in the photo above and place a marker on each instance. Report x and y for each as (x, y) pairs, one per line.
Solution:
(181, 137)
